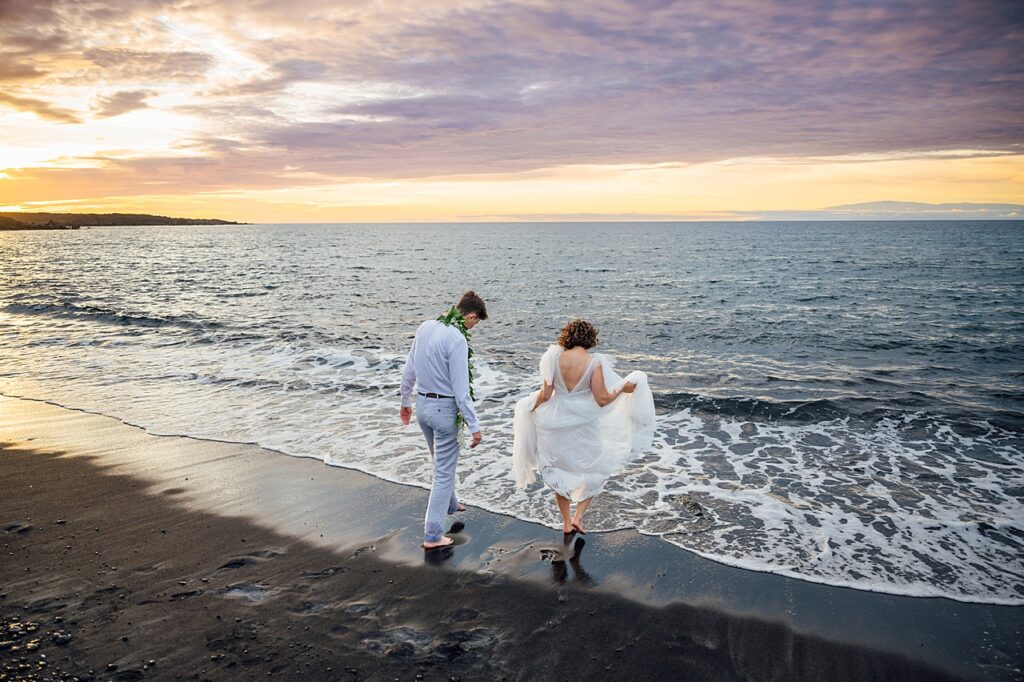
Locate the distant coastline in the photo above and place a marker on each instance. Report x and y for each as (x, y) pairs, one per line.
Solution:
(74, 221)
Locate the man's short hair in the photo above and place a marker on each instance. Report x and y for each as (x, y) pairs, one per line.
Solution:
(471, 303)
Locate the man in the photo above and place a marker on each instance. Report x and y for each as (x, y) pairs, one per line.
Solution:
(438, 366)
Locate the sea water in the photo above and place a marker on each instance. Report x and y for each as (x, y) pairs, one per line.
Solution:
(839, 402)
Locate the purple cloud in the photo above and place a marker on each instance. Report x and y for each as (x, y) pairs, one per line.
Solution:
(121, 102)
(285, 73)
(40, 108)
(516, 87)
(499, 87)
(122, 64)
(11, 70)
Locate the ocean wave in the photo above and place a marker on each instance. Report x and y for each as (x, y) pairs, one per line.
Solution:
(106, 315)
(912, 405)
(758, 409)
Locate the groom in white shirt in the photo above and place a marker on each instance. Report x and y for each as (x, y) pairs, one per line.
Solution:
(438, 367)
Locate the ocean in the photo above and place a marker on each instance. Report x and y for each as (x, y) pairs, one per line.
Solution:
(839, 402)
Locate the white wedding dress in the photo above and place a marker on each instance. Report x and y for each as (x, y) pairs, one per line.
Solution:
(572, 441)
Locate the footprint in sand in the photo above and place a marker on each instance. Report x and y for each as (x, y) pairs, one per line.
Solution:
(267, 553)
(462, 615)
(548, 554)
(237, 563)
(249, 559)
(309, 608)
(325, 573)
(248, 592)
(360, 609)
(181, 596)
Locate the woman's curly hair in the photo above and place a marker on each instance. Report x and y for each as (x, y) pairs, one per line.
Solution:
(577, 333)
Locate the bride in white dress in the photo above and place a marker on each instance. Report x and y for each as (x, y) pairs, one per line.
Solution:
(583, 425)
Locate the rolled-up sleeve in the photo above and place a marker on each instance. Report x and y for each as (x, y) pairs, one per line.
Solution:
(458, 365)
(409, 375)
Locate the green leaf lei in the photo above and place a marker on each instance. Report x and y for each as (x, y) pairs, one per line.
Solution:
(454, 318)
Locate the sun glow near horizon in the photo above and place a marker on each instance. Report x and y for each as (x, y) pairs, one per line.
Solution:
(726, 190)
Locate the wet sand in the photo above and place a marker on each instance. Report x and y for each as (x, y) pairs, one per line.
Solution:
(132, 556)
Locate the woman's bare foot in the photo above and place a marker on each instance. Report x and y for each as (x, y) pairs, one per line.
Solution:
(577, 518)
(461, 507)
(443, 542)
(563, 510)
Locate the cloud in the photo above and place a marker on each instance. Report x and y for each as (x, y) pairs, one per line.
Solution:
(183, 174)
(27, 12)
(393, 89)
(121, 102)
(27, 28)
(284, 74)
(528, 85)
(39, 108)
(11, 70)
(155, 65)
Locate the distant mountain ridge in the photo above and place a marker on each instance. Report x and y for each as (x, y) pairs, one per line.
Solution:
(900, 210)
(911, 206)
(72, 221)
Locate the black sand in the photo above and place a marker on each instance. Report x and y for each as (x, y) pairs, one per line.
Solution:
(137, 557)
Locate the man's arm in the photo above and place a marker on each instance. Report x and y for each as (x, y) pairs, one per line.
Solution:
(408, 382)
(458, 366)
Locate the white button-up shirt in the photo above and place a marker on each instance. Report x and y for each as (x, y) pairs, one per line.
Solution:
(438, 362)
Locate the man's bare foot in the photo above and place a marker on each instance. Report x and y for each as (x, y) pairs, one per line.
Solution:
(461, 507)
(443, 542)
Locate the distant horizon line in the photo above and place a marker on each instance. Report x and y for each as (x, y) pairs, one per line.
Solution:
(610, 222)
(863, 212)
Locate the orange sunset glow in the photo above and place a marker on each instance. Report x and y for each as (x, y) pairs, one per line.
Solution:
(313, 111)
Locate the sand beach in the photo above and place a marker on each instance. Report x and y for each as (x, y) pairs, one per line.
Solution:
(133, 556)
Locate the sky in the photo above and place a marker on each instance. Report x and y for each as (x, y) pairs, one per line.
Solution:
(419, 110)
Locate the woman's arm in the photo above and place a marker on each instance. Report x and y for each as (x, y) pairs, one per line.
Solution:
(544, 395)
(600, 391)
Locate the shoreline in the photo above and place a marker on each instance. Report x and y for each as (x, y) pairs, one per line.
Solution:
(338, 516)
(719, 561)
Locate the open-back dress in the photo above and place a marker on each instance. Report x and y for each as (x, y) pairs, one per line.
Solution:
(574, 443)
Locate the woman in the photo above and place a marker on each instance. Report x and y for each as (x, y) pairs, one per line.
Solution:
(583, 425)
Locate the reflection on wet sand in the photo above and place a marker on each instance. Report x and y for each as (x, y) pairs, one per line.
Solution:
(439, 555)
(572, 551)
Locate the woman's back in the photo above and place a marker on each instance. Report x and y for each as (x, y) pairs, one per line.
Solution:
(573, 369)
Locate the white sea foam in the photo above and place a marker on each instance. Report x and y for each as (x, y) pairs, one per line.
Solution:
(906, 506)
